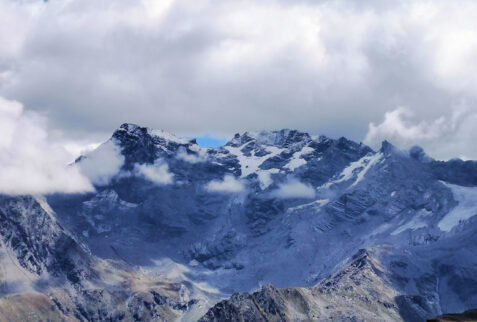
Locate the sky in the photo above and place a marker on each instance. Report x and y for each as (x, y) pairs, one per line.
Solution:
(405, 71)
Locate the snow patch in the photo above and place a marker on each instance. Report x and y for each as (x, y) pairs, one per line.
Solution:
(356, 169)
(295, 163)
(368, 164)
(296, 160)
(169, 137)
(252, 163)
(315, 204)
(45, 206)
(466, 208)
(109, 196)
(381, 229)
(413, 224)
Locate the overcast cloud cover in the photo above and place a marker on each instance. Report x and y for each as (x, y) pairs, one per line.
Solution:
(368, 70)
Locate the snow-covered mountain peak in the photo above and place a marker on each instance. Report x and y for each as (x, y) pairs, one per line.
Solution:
(140, 145)
(281, 138)
(129, 127)
(134, 130)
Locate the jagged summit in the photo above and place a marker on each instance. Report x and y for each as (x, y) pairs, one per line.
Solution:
(134, 130)
(282, 138)
(129, 127)
(387, 147)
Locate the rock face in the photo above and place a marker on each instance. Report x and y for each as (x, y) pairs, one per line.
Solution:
(367, 288)
(466, 316)
(39, 243)
(46, 274)
(358, 292)
(335, 229)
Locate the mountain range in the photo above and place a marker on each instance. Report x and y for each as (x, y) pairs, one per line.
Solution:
(272, 226)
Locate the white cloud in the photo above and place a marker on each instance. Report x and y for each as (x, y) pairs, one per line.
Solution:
(442, 138)
(29, 163)
(200, 156)
(398, 126)
(79, 148)
(294, 189)
(101, 164)
(228, 185)
(157, 172)
(328, 66)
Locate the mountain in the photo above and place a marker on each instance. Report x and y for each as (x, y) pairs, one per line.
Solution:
(275, 225)
(357, 292)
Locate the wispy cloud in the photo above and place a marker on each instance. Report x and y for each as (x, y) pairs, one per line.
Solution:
(443, 137)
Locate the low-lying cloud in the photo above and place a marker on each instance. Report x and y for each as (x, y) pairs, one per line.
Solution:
(101, 164)
(229, 184)
(29, 163)
(293, 188)
(157, 172)
(200, 155)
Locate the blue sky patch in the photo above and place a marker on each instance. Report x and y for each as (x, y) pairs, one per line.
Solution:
(208, 141)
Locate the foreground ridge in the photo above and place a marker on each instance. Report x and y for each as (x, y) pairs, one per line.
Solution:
(359, 291)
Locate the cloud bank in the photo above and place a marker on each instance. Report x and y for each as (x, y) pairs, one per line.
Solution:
(218, 67)
(228, 185)
(29, 163)
(444, 137)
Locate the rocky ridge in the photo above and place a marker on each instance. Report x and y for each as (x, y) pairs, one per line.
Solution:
(280, 208)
